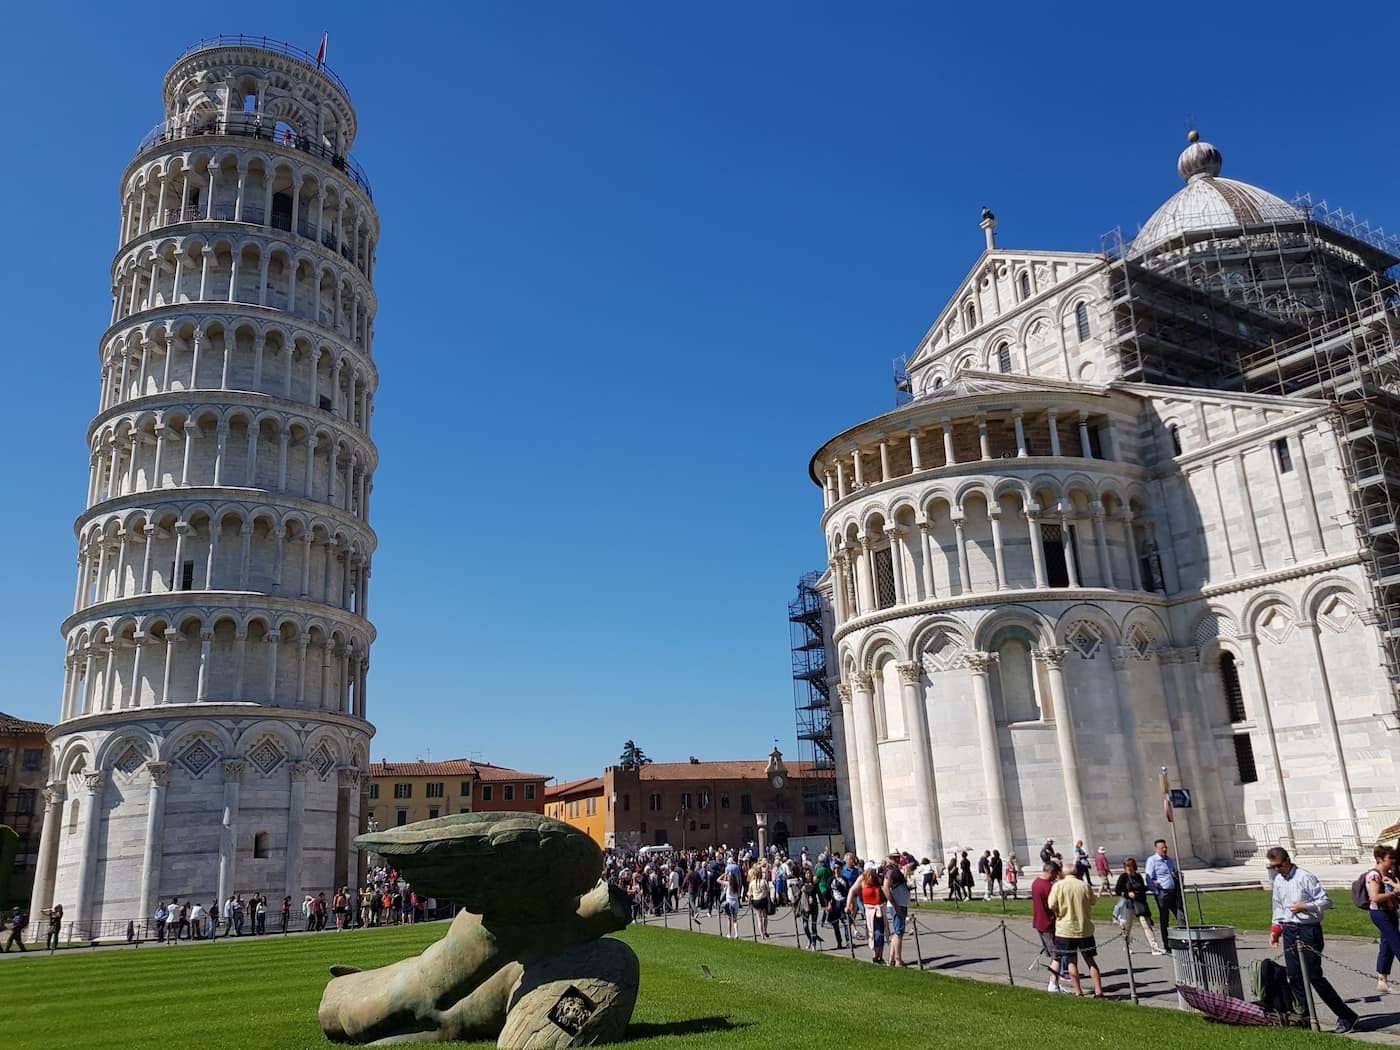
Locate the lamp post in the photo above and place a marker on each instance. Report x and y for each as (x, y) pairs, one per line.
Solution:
(761, 819)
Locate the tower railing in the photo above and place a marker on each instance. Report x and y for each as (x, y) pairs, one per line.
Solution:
(267, 43)
(252, 126)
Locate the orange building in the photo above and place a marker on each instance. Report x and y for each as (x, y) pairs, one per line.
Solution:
(580, 803)
(407, 792)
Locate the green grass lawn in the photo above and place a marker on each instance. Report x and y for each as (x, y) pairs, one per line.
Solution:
(264, 995)
(1243, 909)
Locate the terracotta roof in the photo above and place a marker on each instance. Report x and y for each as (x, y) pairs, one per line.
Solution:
(12, 726)
(455, 767)
(486, 771)
(738, 770)
(586, 786)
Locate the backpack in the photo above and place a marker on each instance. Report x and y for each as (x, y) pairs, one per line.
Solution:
(1268, 986)
(1360, 893)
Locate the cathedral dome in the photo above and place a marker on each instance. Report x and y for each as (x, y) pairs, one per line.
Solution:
(1209, 202)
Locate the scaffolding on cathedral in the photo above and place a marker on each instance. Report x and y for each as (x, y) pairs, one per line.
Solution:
(812, 701)
(1306, 308)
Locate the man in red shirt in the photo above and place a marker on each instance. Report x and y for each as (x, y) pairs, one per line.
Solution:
(1043, 919)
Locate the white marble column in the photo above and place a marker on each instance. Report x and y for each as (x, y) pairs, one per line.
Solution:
(998, 552)
(1053, 658)
(989, 746)
(296, 816)
(847, 787)
(1067, 542)
(1101, 547)
(44, 874)
(896, 562)
(964, 577)
(1327, 716)
(926, 546)
(871, 786)
(159, 773)
(928, 831)
(1037, 546)
(1054, 433)
(228, 828)
(1261, 709)
(1018, 422)
(90, 822)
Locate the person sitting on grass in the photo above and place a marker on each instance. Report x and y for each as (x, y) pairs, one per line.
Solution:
(1072, 902)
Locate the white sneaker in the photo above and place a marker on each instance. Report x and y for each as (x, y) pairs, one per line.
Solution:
(1052, 987)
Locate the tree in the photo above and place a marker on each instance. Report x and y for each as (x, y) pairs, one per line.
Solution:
(633, 757)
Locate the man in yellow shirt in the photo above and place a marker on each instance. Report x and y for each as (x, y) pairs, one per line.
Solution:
(1072, 902)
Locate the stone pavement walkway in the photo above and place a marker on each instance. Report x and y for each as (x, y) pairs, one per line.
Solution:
(972, 946)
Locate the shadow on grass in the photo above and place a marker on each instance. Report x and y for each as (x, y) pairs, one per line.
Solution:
(694, 1026)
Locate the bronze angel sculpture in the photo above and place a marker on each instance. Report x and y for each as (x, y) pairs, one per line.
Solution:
(525, 962)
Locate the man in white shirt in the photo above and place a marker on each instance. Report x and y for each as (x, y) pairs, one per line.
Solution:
(197, 921)
(1299, 901)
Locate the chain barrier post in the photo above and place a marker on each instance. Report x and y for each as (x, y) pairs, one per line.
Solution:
(850, 935)
(1128, 949)
(1200, 916)
(666, 914)
(918, 948)
(1307, 984)
(796, 933)
(1006, 950)
(753, 923)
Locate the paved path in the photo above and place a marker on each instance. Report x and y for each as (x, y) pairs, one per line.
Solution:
(971, 946)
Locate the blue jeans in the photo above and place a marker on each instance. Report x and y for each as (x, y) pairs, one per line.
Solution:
(1388, 923)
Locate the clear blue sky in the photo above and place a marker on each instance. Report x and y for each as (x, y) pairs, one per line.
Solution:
(638, 262)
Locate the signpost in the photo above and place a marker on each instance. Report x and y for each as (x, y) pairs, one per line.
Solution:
(1173, 798)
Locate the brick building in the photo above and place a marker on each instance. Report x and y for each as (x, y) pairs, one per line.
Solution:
(24, 768)
(690, 803)
(406, 792)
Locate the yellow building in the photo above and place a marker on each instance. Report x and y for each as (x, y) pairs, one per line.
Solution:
(580, 803)
(405, 792)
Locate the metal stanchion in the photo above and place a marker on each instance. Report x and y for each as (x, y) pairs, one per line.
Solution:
(1200, 916)
(918, 949)
(665, 915)
(753, 923)
(851, 936)
(1128, 948)
(795, 932)
(1006, 950)
(1307, 984)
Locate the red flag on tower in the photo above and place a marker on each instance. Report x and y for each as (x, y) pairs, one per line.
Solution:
(321, 51)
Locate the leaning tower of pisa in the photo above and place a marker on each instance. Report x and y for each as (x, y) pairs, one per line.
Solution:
(213, 736)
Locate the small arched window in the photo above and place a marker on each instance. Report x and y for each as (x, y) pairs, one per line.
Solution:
(1004, 357)
(1025, 285)
(260, 846)
(971, 314)
(938, 383)
(1014, 684)
(1081, 321)
(1175, 432)
(1230, 684)
(73, 818)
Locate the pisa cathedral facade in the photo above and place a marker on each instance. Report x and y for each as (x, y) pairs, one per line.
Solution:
(1102, 536)
(213, 735)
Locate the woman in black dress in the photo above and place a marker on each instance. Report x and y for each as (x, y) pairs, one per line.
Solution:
(1132, 891)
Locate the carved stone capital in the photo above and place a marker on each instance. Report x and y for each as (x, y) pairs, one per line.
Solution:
(95, 781)
(909, 672)
(55, 793)
(1052, 656)
(348, 776)
(159, 772)
(862, 682)
(232, 769)
(300, 770)
(843, 690)
(979, 662)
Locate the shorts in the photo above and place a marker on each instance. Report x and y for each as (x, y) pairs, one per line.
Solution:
(1047, 943)
(897, 924)
(1085, 946)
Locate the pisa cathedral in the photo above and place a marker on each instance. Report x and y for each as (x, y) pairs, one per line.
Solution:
(1134, 508)
(212, 735)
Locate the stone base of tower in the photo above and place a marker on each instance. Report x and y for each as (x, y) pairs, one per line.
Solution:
(145, 808)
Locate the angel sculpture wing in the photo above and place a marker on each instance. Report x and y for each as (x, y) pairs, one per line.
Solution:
(516, 866)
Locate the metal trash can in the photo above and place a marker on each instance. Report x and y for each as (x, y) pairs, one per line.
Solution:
(1205, 957)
